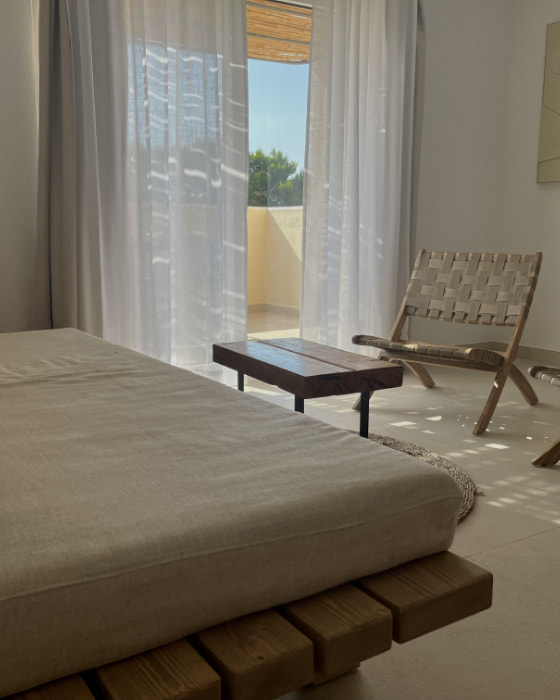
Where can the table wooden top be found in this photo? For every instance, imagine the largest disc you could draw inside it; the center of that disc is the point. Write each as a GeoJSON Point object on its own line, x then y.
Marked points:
{"type": "Point", "coordinates": [307, 369]}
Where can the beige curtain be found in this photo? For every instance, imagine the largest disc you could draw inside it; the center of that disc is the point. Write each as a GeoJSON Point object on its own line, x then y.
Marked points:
{"type": "Point", "coordinates": [78, 162]}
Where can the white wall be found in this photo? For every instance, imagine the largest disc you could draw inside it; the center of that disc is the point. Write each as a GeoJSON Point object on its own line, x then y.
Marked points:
{"type": "Point", "coordinates": [478, 191]}
{"type": "Point", "coordinates": [463, 141]}
{"type": "Point", "coordinates": [467, 48]}
{"type": "Point", "coordinates": [530, 214]}
{"type": "Point", "coordinates": [18, 164]}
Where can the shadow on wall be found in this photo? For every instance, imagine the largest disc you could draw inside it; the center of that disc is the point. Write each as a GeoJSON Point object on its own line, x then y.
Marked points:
{"type": "Point", "coordinates": [274, 258]}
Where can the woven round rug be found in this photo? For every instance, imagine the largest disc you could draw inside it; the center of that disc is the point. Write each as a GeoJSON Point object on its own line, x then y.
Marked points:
{"type": "Point", "coordinates": [464, 481]}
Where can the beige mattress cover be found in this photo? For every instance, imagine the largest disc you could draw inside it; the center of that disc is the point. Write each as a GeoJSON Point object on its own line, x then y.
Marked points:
{"type": "Point", "coordinates": [140, 503]}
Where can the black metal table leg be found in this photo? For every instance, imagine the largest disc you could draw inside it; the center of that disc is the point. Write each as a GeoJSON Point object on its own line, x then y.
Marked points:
{"type": "Point", "coordinates": [364, 414]}
{"type": "Point", "coordinates": [298, 404]}
{"type": "Point", "coordinates": [240, 381]}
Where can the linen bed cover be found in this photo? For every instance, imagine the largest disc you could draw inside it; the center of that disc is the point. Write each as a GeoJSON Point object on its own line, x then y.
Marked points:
{"type": "Point", "coordinates": [141, 503]}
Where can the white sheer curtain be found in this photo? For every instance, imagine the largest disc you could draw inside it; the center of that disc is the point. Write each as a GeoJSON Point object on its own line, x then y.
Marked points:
{"type": "Point", "coordinates": [145, 111]}
{"type": "Point", "coordinates": [358, 191]}
{"type": "Point", "coordinates": [184, 261]}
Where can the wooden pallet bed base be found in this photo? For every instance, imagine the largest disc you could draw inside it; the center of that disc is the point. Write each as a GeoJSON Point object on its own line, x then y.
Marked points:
{"type": "Point", "coordinates": [265, 655]}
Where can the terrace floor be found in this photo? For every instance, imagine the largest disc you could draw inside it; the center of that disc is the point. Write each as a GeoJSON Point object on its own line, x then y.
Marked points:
{"type": "Point", "coordinates": [272, 324]}
{"type": "Point", "coordinates": [510, 651]}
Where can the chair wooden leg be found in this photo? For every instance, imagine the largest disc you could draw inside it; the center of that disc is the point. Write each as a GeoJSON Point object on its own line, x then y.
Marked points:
{"type": "Point", "coordinates": [549, 457]}
{"type": "Point", "coordinates": [492, 401]}
{"type": "Point", "coordinates": [523, 385]}
{"type": "Point", "coordinates": [421, 373]}
{"type": "Point", "coordinates": [417, 369]}
{"type": "Point", "coordinates": [357, 405]}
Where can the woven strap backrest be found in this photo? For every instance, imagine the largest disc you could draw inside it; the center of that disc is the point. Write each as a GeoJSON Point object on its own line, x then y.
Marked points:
{"type": "Point", "coordinates": [480, 288]}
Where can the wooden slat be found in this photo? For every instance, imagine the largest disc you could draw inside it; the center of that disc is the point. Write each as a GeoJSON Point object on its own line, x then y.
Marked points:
{"type": "Point", "coordinates": [279, 51]}
{"type": "Point", "coordinates": [346, 627]}
{"type": "Point", "coordinates": [430, 593]}
{"type": "Point", "coordinates": [334, 356]}
{"type": "Point", "coordinates": [294, 373]}
{"type": "Point", "coordinates": [71, 688]}
{"type": "Point", "coordinates": [172, 672]}
{"type": "Point", "coordinates": [305, 376]}
{"type": "Point", "coordinates": [259, 657]}
{"type": "Point", "coordinates": [263, 656]}
{"type": "Point", "coordinates": [278, 31]}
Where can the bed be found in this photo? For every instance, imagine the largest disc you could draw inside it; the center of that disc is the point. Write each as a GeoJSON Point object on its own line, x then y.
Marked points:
{"type": "Point", "coordinates": [145, 508]}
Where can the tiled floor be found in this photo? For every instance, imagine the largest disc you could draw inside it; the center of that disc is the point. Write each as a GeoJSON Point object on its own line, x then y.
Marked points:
{"type": "Point", "coordinates": [264, 324]}
{"type": "Point", "coordinates": [511, 651]}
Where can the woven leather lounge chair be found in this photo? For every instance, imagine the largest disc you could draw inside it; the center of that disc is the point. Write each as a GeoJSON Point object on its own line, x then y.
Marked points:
{"type": "Point", "coordinates": [476, 288]}
{"type": "Point", "coordinates": [551, 375]}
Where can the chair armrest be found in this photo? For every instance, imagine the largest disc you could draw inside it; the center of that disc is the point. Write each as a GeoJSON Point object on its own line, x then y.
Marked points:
{"type": "Point", "coordinates": [371, 340]}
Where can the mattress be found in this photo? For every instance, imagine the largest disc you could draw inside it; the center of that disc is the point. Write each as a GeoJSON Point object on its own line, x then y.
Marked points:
{"type": "Point", "coordinates": [140, 503]}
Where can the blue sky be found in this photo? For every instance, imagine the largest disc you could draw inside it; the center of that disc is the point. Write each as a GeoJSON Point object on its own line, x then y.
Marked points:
{"type": "Point", "coordinates": [278, 108]}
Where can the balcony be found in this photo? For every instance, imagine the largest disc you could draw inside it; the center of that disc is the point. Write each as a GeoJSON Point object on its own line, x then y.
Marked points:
{"type": "Point", "coordinates": [274, 252]}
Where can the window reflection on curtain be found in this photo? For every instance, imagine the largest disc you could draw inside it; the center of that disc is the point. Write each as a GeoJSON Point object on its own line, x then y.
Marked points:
{"type": "Point", "coordinates": [143, 173]}
{"type": "Point", "coordinates": [359, 194]}
{"type": "Point", "coordinates": [186, 178]}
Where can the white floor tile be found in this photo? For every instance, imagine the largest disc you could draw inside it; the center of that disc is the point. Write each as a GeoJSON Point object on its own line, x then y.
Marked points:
{"type": "Point", "coordinates": [510, 651]}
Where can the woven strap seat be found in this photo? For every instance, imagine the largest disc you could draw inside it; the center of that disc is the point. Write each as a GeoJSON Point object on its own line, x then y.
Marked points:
{"type": "Point", "coordinates": [490, 289]}
{"type": "Point", "coordinates": [479, 288]}
{"type": "Point", "coordinates": [447, 352]}
{"type": "Point", "coordinates": [546, 374]}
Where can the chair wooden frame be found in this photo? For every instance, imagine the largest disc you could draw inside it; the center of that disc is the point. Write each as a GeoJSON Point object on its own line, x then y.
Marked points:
{"type": "Point", "coordinates": [551, 456]}
{"type": "Point", "coordinates": [475, 288]}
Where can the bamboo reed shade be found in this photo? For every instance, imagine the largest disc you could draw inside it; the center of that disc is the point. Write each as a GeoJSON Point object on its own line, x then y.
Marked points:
{"type": "Point", "coordinates": [278, 31]}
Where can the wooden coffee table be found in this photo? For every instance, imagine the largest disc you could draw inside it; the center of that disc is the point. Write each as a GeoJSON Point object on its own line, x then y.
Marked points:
{"type": "Point", "coordinates": [309, 370]}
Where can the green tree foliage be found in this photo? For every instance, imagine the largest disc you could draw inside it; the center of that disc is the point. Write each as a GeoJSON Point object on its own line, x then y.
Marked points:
{"type": "Point", "coordinates": [273, 180]}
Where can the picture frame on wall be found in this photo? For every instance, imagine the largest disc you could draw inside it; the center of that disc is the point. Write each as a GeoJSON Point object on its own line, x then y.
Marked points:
{"type": "Point", "coordinates": [548, 169]}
